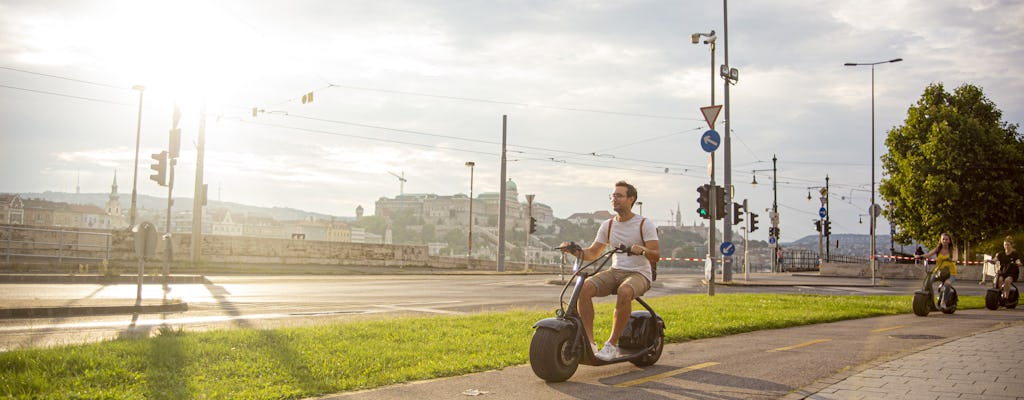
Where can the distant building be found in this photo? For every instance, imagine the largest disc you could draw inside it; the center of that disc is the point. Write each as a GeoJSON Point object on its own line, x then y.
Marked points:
{"type": "Point", "coordinates": [452, 212]}
{"type": "Point", "coordinates": [589, 218]}
{"type": "Point", "coordinates": [12, 209]}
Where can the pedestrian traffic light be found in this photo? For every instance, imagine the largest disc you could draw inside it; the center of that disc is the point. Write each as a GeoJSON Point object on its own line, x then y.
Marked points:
{"type": "Point", "coordinates": [828, 228]}
{"type": "Point", "coordinates": [737, 213]}
{"type": "Point", "coordinates": [533, 225]}
{"type": "Point", "coordinates": [753, 222]}
{"type": "Point", "coordinates": [817, 225]}
{"type": "Point", "coordinates": [160, 167]}
{"type": "Point", "coordinates": [720, 203]}
{"type": "Point", "coordinates": [703, 208]}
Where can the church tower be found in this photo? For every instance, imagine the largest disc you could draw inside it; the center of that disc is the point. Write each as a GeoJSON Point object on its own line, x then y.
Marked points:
{"type": "Point", "coordinates": [113, 200]}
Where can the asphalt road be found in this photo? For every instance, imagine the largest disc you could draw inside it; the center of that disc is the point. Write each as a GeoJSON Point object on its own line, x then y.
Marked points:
{"type": "Point", "coordinates": [227, 302]}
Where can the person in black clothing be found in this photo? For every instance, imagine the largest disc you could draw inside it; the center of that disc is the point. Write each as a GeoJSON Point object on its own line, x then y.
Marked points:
{"type": "Point", "coordinates": [1009, 266]}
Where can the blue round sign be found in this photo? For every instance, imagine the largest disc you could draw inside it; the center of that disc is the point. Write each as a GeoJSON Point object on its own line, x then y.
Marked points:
{"type": "Point", "coordinates": [821, 212]}
{"type": "Point", "coordinates": [727, 248]}
{"type": "Point", "coordinates": [710, 141]}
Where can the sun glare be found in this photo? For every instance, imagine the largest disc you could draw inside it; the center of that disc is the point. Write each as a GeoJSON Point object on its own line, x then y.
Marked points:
{"type": "Point", "coordinates": [182, 51]}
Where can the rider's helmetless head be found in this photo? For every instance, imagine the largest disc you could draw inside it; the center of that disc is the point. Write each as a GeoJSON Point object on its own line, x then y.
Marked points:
{"type": "Point", "coordinates": [623, 197]}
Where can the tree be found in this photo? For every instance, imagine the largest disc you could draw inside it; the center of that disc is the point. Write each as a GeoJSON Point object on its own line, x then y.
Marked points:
{"type": "Point", "coordinates": [954, 166]}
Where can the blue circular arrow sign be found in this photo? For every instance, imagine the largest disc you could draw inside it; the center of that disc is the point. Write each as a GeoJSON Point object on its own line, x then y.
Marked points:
{"type": "Point", "coordinates": [710, 140]}
{"type": "Point", "coordinates": [821, 212]}
{"type": "Point", "coordinates": [727, 248]}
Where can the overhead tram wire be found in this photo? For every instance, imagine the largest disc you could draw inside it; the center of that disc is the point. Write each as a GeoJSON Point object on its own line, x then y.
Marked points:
{"type": "Point", "coordinates": [67, 95]}
{"type": "Point", "coordinates": [518, 104]}
{"type": "Point", "coordinates": [552, 152]}
{"type": "Point", "coordinates": [526, 156]}
{"type": "Point", "coordinates": [107, 85]}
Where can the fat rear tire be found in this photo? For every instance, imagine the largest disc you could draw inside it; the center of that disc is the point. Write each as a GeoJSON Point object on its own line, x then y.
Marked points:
{"type": "Point", "coordinates": [992, 299]}
{"type": "Point", "coordinates": [552, 355]}
{"type": "Point", "coordinates": [652, 356]}
{"type": "Point", "coordinates": [1014, 298]}
{"type": "Point", "coordinates": [921, 300]}
{"type": "Point", "coordinates": [951, 300]}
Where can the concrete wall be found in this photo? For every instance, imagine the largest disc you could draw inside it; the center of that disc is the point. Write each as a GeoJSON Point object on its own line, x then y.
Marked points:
{"type": "Point", "coordinates": [238, 250]}
{"type": "Point", "coordinates": [894, 271]}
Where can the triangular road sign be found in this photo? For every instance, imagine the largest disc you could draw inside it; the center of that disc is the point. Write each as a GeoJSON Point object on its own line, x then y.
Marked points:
{"type": "Point", "coordinates": [711, 114]}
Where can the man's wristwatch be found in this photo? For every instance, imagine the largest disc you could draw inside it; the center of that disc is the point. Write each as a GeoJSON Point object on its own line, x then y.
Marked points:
{"type": "Point", "coordinates": [643, 252]}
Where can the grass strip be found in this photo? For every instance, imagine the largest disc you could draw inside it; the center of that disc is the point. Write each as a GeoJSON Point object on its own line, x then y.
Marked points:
{"type": "Point", "coordinates": [290, 363]}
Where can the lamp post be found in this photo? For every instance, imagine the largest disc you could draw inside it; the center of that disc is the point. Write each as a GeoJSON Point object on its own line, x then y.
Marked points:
{"type": "Point", "coordinates": [773, 215]}
{"type": "Point", "coordinates": [469, 252]}
{"type": "Point", "coordinates": [709, 264]}
{"type": "Point", "coordinates": [135, 172]}
{"type": "Point", "coordinates": [872, 210]}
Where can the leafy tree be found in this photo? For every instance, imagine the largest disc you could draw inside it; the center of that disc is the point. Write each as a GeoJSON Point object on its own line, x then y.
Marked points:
{"type": "Point", "coordinates": [954, 166]}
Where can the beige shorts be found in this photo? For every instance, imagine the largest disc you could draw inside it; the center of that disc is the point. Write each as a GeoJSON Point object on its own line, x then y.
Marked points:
{"type": "Point", "coordinates": [611, 279]}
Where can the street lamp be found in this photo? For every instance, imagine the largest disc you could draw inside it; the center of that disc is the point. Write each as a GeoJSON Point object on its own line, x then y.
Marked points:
{"type": "Point", "coordinates": [135, 172]}
{"type": "Point", "coordinates": [872, 209]}
{"type": "Point", "coordinates": [469, 252]}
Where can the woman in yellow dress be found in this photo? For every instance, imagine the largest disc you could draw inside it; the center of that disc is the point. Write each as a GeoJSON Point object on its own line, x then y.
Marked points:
{"type": "Point", "coordinates": [945, 260]}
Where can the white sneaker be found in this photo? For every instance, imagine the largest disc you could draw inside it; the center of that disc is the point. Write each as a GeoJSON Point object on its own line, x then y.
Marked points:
{"type": "Point", "coordinates": [608, 352]}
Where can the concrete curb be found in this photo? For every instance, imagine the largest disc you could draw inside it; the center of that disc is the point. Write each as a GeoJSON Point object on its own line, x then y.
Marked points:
{"type": "Point", "coordinates": [80, 311]}
{"type": "Point", "coordinates": [101, 279]}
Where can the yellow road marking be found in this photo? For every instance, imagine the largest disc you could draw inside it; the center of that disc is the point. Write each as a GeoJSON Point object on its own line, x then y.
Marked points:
{"type": "Point", "coordinates": [666, 374]}
{"type": "Point", "coordinates": [888, 329]}
{"type": "Point", "coordinates": [797, 346]}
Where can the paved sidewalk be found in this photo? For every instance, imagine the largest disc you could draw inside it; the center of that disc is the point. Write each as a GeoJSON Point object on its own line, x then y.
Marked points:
{"type": "Point", "coordinates": [965, 368]}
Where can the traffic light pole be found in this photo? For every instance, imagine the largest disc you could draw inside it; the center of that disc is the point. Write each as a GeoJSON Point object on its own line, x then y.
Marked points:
{"type": "Point", "coordinates": [713, 213]}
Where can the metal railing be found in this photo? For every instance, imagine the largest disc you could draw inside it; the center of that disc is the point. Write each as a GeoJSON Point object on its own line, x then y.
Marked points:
{"type": "Point", "coordinates": [60, 244]}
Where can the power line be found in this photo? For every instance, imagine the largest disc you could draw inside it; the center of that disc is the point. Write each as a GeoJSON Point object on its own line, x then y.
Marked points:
{"type": "Point", "coordinates": [66, 95]}
{"type": "Point", "coordinates": [67, 79]}
{"type": "Point", "coordinates": [513, 103]}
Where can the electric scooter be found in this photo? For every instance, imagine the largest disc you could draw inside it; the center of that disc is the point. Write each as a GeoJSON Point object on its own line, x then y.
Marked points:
{"type": "Point", "coordinates": [944, 299]}
{"type": "Point", "coordinates": [994, 296]}
{"type": "Point", "coordinates": [560, 344]}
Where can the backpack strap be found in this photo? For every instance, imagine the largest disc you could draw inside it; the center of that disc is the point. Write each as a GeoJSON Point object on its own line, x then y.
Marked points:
{"type": "Point", "coordinates": [608, 239]}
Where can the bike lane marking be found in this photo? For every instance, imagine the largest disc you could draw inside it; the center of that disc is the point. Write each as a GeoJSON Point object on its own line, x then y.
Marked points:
{"type": "Point", "coordinates": [666, 374]}
{"type": "Point", "coordinates": [879, 330]}
{"type": "Point", "coordinates": [797, 346]}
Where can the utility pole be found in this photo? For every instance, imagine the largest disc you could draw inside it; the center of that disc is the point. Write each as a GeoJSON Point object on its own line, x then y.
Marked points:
{"type": "Point", "coordinates": [502, 201]}
{"type": "Point", "coordinates": [529, 225]}
{"type": "Point", "coordinates": [200, 196]}
{"type": "Point", "coordinates": [135, 172]}
{"type": "Point", "coordinates": [727, 143]}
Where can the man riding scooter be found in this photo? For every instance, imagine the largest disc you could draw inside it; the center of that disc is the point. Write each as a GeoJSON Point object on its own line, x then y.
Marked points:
{"type": "Point", "coordinates": [631, 274]}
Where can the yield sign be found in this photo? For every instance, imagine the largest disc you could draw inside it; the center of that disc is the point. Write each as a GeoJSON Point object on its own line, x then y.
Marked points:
{"type": "Point", "coordinates": [711, 114]}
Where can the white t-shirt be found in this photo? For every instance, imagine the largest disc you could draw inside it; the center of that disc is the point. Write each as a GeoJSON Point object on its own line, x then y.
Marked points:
{"type": "Point", "coordinates": [628, 233]}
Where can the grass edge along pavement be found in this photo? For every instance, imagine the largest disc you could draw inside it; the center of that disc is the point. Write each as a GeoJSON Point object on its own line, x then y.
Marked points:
{"type": "Point", "coordinates": [288, 363]}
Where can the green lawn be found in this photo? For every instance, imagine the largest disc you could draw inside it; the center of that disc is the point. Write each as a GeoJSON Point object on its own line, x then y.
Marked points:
{"type": "Point", "coordinates": [308, 361]}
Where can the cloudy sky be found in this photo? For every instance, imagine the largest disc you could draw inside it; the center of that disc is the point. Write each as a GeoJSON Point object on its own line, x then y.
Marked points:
{"type": "Point", "coordinates": [594, 91]}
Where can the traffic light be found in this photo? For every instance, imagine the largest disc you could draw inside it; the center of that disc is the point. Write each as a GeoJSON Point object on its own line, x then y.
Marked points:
{"type": "Point", "coordinates": [753, 222]}
{"type": "Point", "coordinates": [828, 228]}
{"type": "Point", "coordinates": [737, 213]}
{"type": "Point", "coordinates": [720, 203]}
{"type": "Point", "coordinates": [160, 167]}
{"type": "Point", "coordinates": [817, 225]}
{"type": "Point", "coordinates": [533, 225]}
{"type": "Point", "coordinates": [703, 208]}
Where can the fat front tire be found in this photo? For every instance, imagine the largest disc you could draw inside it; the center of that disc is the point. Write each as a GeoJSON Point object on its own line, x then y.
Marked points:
{"type": "Point", "coordinates": [552, 355]}
{"type": "Point", "coordinates": [992, 299]}
{"type": "Point", "coordinates": [652, 356]}
{"type": "Point", "coordinates": [921, 301]}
